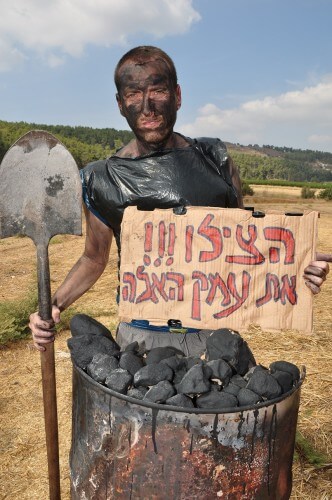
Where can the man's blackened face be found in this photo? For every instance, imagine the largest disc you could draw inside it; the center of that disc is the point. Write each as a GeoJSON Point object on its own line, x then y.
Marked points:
{"type": "Point", "coordinates": [148, 101]}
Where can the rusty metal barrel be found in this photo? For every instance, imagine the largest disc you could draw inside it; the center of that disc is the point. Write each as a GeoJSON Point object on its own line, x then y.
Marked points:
{"type": "Point", "coordinates": [123, 448]}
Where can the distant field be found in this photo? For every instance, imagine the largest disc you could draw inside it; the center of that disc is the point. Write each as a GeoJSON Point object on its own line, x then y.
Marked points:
{"type": "Point", "coordinates": [283, 183]}
{"type": "Point", "coordinates": [277, 191]}
{"type": "Point", "coordinates": [270, 191]}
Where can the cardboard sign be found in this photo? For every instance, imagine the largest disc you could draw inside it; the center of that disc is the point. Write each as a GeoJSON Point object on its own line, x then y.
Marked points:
{"type": "Point", "coordinates": [217, 268]}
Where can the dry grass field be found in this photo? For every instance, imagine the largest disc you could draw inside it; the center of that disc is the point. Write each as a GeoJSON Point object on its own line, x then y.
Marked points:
{"type": "Point", "coordinates": [23, 466]}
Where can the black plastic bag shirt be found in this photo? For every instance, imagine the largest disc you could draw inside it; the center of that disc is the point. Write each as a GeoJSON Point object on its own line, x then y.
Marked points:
{"type": "Point", "coordinates": [197, 175]}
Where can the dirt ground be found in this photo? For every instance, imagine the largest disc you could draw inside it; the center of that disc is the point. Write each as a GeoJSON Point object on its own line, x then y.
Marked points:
{"type": "Point", "coordinates": [23, 465]}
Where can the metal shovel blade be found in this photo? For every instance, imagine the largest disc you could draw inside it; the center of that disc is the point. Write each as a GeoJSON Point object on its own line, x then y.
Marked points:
{"type": "Point", "coordinates": [40, 189]}
{"type": "Point", "coordinates": [40, 196]}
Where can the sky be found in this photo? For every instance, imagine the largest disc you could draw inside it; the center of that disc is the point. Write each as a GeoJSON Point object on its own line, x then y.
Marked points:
{"type": "Point", "coordinates": [251, 71]}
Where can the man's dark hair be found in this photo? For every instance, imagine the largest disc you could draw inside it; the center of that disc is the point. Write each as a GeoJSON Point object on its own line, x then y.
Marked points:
{"type": "Point", "coordinates": [142, 54]}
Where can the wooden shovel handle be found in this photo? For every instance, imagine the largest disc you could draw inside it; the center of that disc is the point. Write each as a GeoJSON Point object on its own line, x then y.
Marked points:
{"type": "Point", "coordinates": [48, 376]}
{"type": "Point", "coordinates": [51, 420]}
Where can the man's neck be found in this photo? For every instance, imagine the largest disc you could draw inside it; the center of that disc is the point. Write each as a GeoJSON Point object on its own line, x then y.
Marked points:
{"type": "Point", "coordinates": [137, 148]}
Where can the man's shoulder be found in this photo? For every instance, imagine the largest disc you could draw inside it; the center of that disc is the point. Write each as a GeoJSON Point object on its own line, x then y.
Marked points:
{"type": "Point", "coordinates": [213, 147]}
{"type": "Point", "coordinates": [128, 151]}
{"type": "Point", "coordinates": [94, 166]}
{"type": "Point", "coordinates": [213, 142]}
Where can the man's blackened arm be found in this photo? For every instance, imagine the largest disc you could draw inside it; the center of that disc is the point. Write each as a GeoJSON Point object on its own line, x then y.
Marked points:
{"type": "Point", "coordinates": [234, 173]}
{"type": "Point", "coordinates": [90, 265]}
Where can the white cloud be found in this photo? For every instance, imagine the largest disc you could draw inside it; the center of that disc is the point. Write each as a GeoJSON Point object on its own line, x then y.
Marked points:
{"type": "Point", "coordinates": [9, 55]}
{"type": "Point", "coordinates": [54, 61]}
{"type": "Point", "coordinates": [63, 27]}
{"type": "Point", "coordinates": [299, 118]}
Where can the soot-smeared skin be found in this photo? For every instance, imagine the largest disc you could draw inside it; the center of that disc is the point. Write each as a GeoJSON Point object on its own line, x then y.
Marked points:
{"type": "Point", "coordinates": [145, 92]}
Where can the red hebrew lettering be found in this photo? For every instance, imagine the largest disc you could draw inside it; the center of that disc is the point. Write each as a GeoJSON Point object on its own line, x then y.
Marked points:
{"type": "Point", "coordinates": [179, 280]}
{"type": "Point", "coordinates": [161, 243]}
{"type": "Point", "coordinates": [162, 233]}
{"type": "Point", "coordinates": [271, 281]}
{"type": "Point", "coordinates": [171, 243]}
{"type": "Point", "coordinates": [288, 290]}
{"type": "Point", "coordinates": [240, 299]}
{"type": "Point", "coordinates": [274, 255]}
{"type": "Point", "coordinates": [131, 280]}
{"type": "Point", "coordinates": [218, 283]}
{"type": "Point", "coordinates": [159, 285]}
{"type": "Point", "coordinates": [286, 237]}
{"type": "Point", "coordinates": [226, 231]}
{"type": "Point", "coordinates": [148, 226]}
{"type": "Point", "coordinates": [213, 234]}
{"type": "Point", "coordinates": [148, 293]}
{"type": "Point", "coordinates": [146, 260]}
{"type": "Point", "coordinates": [248, 246]}
{"type": "Point", "coordinates": [189, 243]}
{"type": "Point", "coordinates": [201, 284]}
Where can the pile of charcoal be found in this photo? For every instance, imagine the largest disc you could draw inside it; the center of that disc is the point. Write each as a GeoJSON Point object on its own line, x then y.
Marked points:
{"type": "Point", "coordinates": [226, 377]}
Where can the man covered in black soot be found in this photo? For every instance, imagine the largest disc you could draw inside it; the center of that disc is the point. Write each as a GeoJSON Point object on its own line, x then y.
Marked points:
{"type": "Point", "coordinates": [159, 168]}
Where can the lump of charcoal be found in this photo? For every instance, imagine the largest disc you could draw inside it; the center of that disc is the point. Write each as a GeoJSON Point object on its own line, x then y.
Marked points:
{"type": "Point", "coordinates": [158, 353]}
{"type": "Point", "coordinates": [133, 347]}
{"type": "Point", "coordinates": [178, 365]}
{"type": "Point", "coordinates": [192, 361]}
{"type": "Point", "coordinates": [262, 382]}
{"type": "Point", "coordinates": [180, 400]}
{"type": "Point", "coordinates": [195, 381]}
{"type": "Point", "coordinates": [249, 373]}
{"type": "Point", "coordinates": [119, 380]}
{"type": "Point", "coordinates": [137, 392]}
{"type": "Point", "coordinates": [221, 370]}
{"type": "Point", "coordinates": [160, 392]}
{"type": "Point", "coordinates": [232, 389]}
{"type": "Point", "coordinates": [82, 350]}
{"type": "Point", "coordinates": [284, 379]}
{"type": "Point", "coordinates": [246, 397]}
{"type": "Point", "coordinates": [136, 347]}
{"type": "Point", "coordinates": [216, 400]}
{"type": "Point", "coordinates": [285, 366]}
{"type": "Point", "coordinates": [130, 362]}
{"type": "Point", "coordinates": [178, 376]}
{"type": "Point", "coordinates": [82, 324]}
{"type": "Point", "coordinates": [230, 346]}
{"type": "Point", "coordinates": [84, 347]}
{"type": "Point", "coordinates": [175, 362]}
{"type": "Point", "coordinates": [152, 374]}
{"type": "Point", "coordinates": [238, 380]}
{"type": "Point", "coordinates": [101, 366]}
{"type": "Point", "coordinates": [105, 345]}
{"type": "Point", "coordinates": [215, 386]}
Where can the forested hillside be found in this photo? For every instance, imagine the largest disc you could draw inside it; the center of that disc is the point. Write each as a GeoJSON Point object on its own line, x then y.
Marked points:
{"type": "Point", "coordinates": [85, 143]}
{"type": "Point", "coordinates": [255, 163]}
{"type": "Point", "coordinates": [273, 163]}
